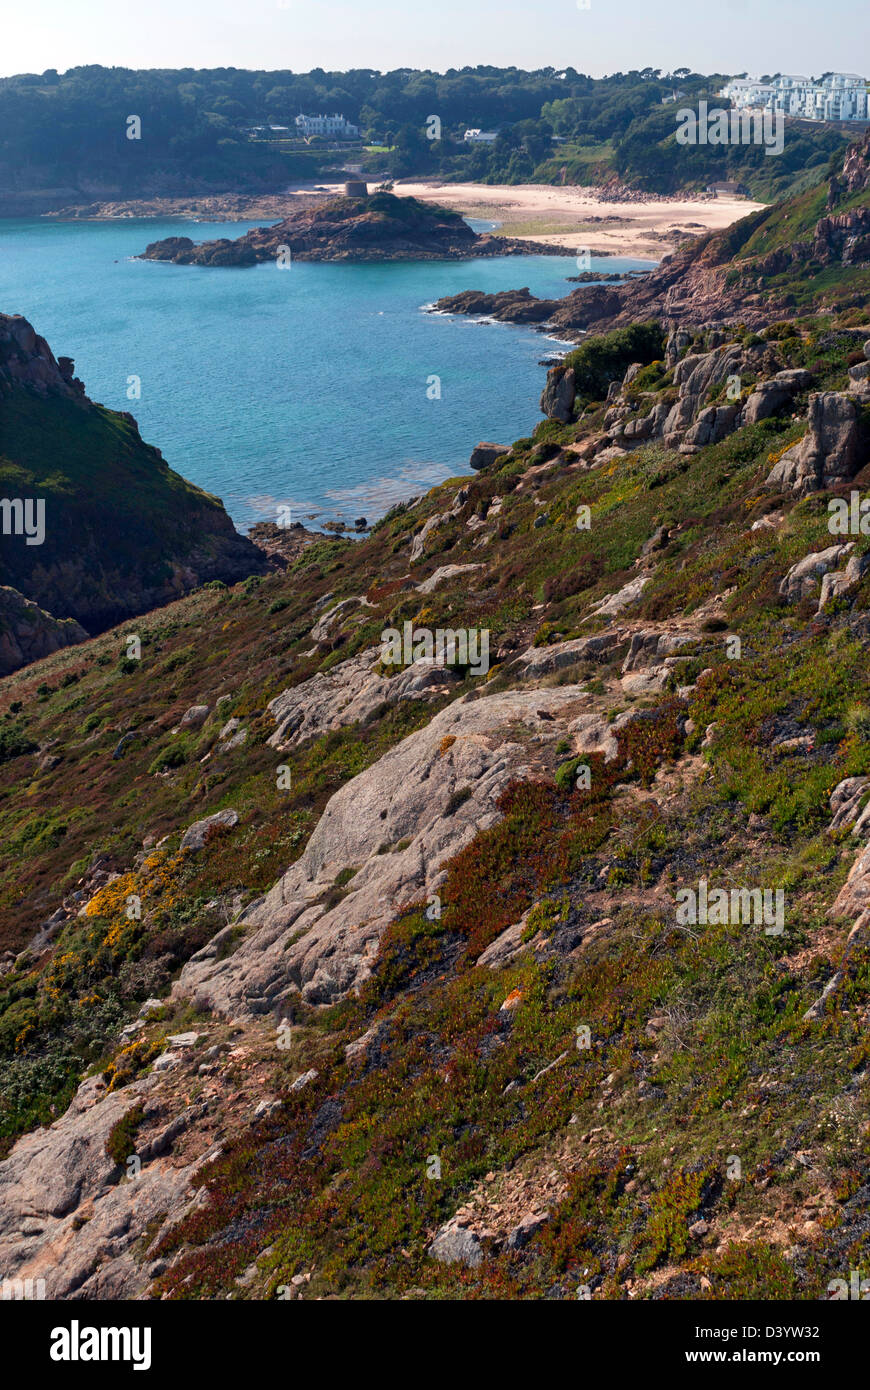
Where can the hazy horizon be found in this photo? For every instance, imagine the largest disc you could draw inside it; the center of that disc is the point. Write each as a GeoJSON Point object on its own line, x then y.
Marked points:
{"type": "Point", "coordinates": [340, 34]}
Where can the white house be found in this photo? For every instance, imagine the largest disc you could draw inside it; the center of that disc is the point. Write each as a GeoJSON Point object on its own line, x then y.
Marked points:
{"type": "Point", "coordinates": [333, 127]}
{"type": "Point", "coordinates": [480, 137]}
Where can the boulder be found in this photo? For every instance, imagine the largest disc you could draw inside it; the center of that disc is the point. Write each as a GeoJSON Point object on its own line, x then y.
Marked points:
{"type": "Point", "coordinates": [484, 455]}
{"type": "Point", "coordinates": [523, 1232]}
{"type": "Point", "coordinates": [828, 454]}
{"type": "Point", "coordinates": [455, 1244]}
{"type": "Point", "coordinates": [804, 578]}
{"type": "Point", "coordinates": [194, 837]}
{"type": "Point", "coordinates": [614, 603]}
{"type": "Point", "coordinates": [836, 583]}
{"type": "Point", "coordinates": [557, 399]}
{"type": "Point", "coordinates": [713, 424]}
{"type": "Point", "coordinates": [770, 396]}
{"type": "Point", "coordinates": [194, 717]}
{"type": "Point", "coordinates": [232, 735]}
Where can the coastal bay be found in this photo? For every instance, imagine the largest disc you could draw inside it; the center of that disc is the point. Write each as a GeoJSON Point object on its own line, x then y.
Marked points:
{"type": "Point", "coordinates": [306, 387]}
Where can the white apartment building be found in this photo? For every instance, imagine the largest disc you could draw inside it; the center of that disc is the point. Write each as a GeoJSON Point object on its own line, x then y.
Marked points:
{"type": "Point", "coordinates": [333, 127]}
{"type": "Point", "coordinates": [838, 96]}
{"type": "Point", "coordinates": [480, 137]}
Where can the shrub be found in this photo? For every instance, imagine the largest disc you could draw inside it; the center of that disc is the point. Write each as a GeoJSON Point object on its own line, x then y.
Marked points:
{"type": "Point", "coordinates": [122, 1136]}
{"type": "Point", "coordinates": [13, 742]}
{"type": "Point", "coordinates": [606, 357]}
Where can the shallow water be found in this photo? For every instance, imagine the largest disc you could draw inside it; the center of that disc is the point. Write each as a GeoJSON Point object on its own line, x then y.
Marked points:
{"type": "Point", "coordinates": [312, 387]}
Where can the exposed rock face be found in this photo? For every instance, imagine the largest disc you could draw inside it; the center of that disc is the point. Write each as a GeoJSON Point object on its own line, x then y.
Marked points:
{"type": "Point", "coordinates": [28, 633]}
{"type": "Point", "coordinates": [694, 285]}
{"type": "Point", "coordinates": [378, 228]}
{"type": "Point", "coordinates": [54, 1174]}
{"type": "Point", "coordinates": [804, 578]}
{"type": "Point", "coordinates": [688, 424]}
{"type": "Point", "coordinates": [855, 176]}
{"type": "Point", "coordinates": [770, 396]}
{"type": "Point", "coordinates": [844, 239]}
{"type": "Point", "coordinates": [846, 799]}
{"type": "Point", "coordinates": [27, 360]}
{"type": "Point", "coordinates": [833, 585]}
{"type": "Point", "coordinates": [854, 896]}
{"type": "Point", "coordinates": [828, 454]}
{"type": "Point", "coordinates": [393, 823]}
{"type": "Point", "coordinates": [543, 661]}
{"type": "Point", "coordinates": [623, 598]}
{"type": "Point", "coordinates": [443, 574]}
{"type": "Point", "coordinates": [348, 694]}
{"type": "Point", "coordinates": [103, 550]}
{"type": "Point", "coordinates": [557, 400]}
{"type": "Point", "coordinates": [195, 836]}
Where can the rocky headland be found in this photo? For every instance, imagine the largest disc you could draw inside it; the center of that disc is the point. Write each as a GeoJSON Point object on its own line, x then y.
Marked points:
{"type": "Point", "coordinates": [378, 227]}
{"type": "Point", "coordinates": [120, 532]}
{"type": "Point", "coordinates": [764, 265]}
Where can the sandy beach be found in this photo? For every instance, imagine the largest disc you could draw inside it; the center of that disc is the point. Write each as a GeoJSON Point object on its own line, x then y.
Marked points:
{"type": "Point", "coordinates": [576, 217]}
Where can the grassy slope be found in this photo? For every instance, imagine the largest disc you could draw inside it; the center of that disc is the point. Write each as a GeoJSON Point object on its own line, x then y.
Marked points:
{"type": "Point", "coordinates": [729, 1069]}
{"type": "Point", "coordinates": [780, 227]}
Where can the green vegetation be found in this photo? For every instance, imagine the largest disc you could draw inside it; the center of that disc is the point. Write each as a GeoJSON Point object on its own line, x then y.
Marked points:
{"type": "Point", "coordinates": [200, 130]}
{"type": "Point", "coordinates": [708, 1140]}
{"type": "Point", "coordinates": [604, 358]}
{"type": "Point", "coordinates": [73, 454]}
{"type": "Point", "coordinates": [121, 1143]}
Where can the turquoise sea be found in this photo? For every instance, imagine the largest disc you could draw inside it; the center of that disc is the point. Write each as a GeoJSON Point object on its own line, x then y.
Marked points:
{"type": "Point", "coordinates": [310, 387]}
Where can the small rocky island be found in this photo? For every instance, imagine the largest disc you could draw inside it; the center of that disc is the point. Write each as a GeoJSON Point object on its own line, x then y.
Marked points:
{"type": "Point", "coordinates": [366, 227]}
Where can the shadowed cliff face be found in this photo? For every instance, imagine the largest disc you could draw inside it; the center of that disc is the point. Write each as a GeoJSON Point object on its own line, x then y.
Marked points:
{"type": "Point", "coordinates": [95, 526]}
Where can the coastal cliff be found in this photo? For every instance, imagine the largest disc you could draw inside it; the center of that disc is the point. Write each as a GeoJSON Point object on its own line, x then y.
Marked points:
{"type": "Point", "coordinates": [775, 262]}
{"type": "Point", "coordinates": [96, 526]}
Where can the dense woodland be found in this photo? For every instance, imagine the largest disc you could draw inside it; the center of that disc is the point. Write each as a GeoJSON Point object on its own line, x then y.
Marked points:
{"type": "Point", "coordinates": [70, 130]}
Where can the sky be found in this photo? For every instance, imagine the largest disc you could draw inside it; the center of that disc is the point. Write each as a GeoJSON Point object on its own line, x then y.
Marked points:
{"type": "Point", "coordinates": [604, 36]}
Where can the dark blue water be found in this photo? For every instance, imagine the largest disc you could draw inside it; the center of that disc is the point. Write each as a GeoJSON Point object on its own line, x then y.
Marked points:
{"type": "Point", "coordinates": [309, 387]}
